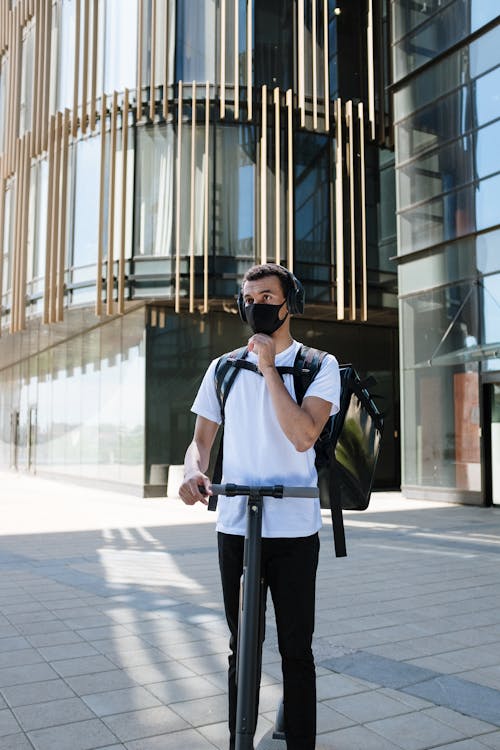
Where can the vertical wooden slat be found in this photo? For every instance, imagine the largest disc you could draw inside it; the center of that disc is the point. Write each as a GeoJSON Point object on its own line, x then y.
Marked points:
{"type": "Point", "coordinates": [152, 98]}
{"type": "Point", "coordinates": [192, 199]}
{"type": "Point", "coordinates": [236, 61]}
{"type": "Point", "coordinates": [326, 61]}
{"type": "Point", "coordinates": [56, 230]}
{"type": "Point", "coordinates": [263, 178]}
{"type": "Point", "coordinates": [85, 64]}
{"type": "Point", "coordinates": [249, 61]}
{"type": "Point", "coordinates": [102, 198]}
{"type": "Point", "coordinates": [121, 263]}
{"type": "Point", "coordinates": [76, 78]}
{"type": "Point", "coordinates": [36, 76]}
{"type": "Point", "coordinates": [93, 82]}
{"type": "Point", "coordinates": [165, 61]}
{"type": "Point", "coordinates": [111, 209]}
{"type": "Point", "coordinates": [339, 210]}
{"type": "Point", "coordinates": [140, 34]}
{"type": "Point", "coordinates": [61, 259]}
{"type": "Point", "coordinates": [40, 62]}
{"type": "Point", "coordinates": [15, 245]}
{"type": "Point", "coordinates": [277, 175]}
{"type": "Point", "coordinates": [222, 59]}
{"type": "Point", "coordinates": [45, 93]}
{"type": "Point", "coordinates": [26, 160]}
{"type": "Point", "coordinates": [314, 64]}
{"type": "Point", "coordinates": [301, 62]}
{"type": "Point", "coordinates": [2, 232]}
{"type": "Point", "coordinates": [178, 202]}
{"type": "Point", "coordinates": [205, 197]}
{"type": "Point", "coordinates": [370, 70]}
{"type": "Point", "coordinates": [290, 169]}
{"type": "Point", "coordinates": [352, 225]}
{"type": "Point", "coordinates": [364, 273]}
{"type": "Point", "coordinates": [50, 219]}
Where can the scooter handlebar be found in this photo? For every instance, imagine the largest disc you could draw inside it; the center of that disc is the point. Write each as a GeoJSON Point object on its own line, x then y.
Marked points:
{"type": "Point", "coordinates": [278, 490]}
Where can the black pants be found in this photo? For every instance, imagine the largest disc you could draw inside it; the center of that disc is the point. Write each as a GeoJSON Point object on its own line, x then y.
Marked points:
{"type": "Point", "coordinates": [289, 571]}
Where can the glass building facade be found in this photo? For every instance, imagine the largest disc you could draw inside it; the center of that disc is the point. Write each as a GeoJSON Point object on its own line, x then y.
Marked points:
{"type": "Point", "coordinates": [152, 150]}
{"type": "Point", "coordinates": [446, 58]}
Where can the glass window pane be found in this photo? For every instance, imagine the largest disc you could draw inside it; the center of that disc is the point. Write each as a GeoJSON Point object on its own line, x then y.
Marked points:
{"type": "Point", "coordinates": [196, 47]}
{"type": "Point", "coordinates": [86, 212]}
{"type": "Point", "coordinates": [120, 45]}
{"type": "Point", "coordinates": [273, 57]}
{"type": "Point", "coordinates": [154, 186]}
{"type": "Point", "coordinates": [490, 304]}
{"type": "Point", "coordinates": [487, 97]}
{"type": "Point", "coordinates": [66, 53]}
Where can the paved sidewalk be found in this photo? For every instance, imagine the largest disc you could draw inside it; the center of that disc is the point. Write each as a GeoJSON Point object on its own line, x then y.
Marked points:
{"type": "Point", "coordinates": [112, 632]}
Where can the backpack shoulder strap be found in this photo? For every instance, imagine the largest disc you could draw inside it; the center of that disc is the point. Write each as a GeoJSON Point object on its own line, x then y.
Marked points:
{"type": "Point", "coordinates": [226, 372]}
{"type": "Point", "coordinates": [305, 368]}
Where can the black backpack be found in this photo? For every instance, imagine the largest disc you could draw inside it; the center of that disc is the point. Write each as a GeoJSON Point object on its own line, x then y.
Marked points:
{"type": "Point", "coordinates": [348, 447]}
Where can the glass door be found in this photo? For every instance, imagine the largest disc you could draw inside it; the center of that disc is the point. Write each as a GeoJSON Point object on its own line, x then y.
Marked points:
{"type": "Point", "coordinates": [494, 416]}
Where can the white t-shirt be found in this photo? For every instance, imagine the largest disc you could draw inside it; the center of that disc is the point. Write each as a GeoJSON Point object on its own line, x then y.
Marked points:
{"type": "Point", "coordinates": [256, 450]}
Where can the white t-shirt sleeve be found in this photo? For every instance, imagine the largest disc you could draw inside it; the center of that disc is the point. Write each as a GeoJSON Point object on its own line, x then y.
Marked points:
{"type": "Point", "coordinates": [326, 384]}
{"type": "Point", "coordinates": [206, 403]}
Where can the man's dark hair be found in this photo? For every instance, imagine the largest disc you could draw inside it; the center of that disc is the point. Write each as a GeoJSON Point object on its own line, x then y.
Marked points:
{"type": "Point", "coordinates": [270, 269]}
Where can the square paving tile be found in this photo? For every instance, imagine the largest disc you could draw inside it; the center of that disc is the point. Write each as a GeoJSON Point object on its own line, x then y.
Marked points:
{"type": "Point", "coordinates": [203, 711]}
{"type": "Point", "coordinates": [37, 692]}
{"type": "Point", "coordinates": [185, 689]}
{"type": "Point", "coordinates": [189, 739]}
{"type": "Point", "coordinates": [52, 713]}
{"type": "Point", "coordinates": [149, 722]}
{"type": "Point", "coordinates": [8, 723]}
{"type": "Point", "coordinates": [119, 701]}
{"type": "Point", "coordinates": [82, 735]}
{"type": "Point", "coordinates": [415, 731]}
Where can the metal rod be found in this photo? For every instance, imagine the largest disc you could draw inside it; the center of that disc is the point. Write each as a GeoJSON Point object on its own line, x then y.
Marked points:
{"type": "Point", "coordinates": [277, 175]}
{"type": "Point", "coordinates": [263, 178]}
{"type": "Point", "coordinates": [249, 61]}
{"type": "Point", "coordinates": [62, 226]}
{"type": "Point", "coordinates": [152, 102]}
{"type": "Point", "coordinates": [178, 203]}
{"type": "Point", "coordinates": [290, 190]}
{"type": "Point", "coordinates": [222, 59]}
{"type": "Point", "coordinates": [352, 224]}
{"type": "Point", "coordinates": [102, 197]}
{"type": "Point", "coordinates": [314, 64]}
{"type": "Point", "coordinates": [301, 62]}
{"type": "Point", "coordinates": [362, 182]}
{"type": "Point", "coordinates": [205, 195]}
{"type": "Point", "coordinates": [339, 210]}
{"type": "Point", "coordinates": [236, 61]}
{"type": "Point", "coordinates": [76, 77]}
{"type": "Point", "coordinates": [110, 286]}
{"type": "Point", "coordinates": [121, 262]}
{"type": "Point", "coordinates": [192, 199]}
{"type": "Point", "coordinates": [326, 63]}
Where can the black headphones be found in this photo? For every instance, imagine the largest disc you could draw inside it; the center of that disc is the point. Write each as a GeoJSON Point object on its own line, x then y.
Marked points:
{"type": "Point", "coordinates": [295, 297]}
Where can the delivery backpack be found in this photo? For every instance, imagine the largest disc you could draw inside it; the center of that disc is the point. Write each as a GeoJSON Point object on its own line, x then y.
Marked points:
{"type": "Point", "coordinates": [348, 447]}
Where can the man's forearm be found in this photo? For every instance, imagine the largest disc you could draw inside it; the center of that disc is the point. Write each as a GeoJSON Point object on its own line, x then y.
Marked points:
{"type": "Point", "coordinates": [196, 459]}
{"type": "Point", "coordinates": [297, 424]}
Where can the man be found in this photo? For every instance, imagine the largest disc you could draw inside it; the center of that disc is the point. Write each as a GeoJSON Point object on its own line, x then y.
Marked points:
{"type": "Point", "coordinates": [269, 439]}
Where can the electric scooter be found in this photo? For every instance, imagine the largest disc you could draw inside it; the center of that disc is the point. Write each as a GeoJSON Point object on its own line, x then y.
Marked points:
{"type": "Point", "coordinates": [248, 655]}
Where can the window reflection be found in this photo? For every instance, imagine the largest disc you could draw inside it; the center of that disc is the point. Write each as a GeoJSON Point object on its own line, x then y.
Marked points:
{"type": "Point", "coordinates": [66, 24]}
{"type": "Point", "coordinates": [27, 75]}
{"type": "Point", "coordinates": [235, 188]}
{"type": "Point", "coordinates": [313, 170]}
{"type": "Point", "coordinates": [196, 47]}
{"type": "Point", "coordinates": [154, 191]}
{"type": "Point", "coordinates": [273, 57]}
{"type": "Point", "coordinates": [120, 45]}
{"type": "Point", "coordinates": [86, 206]}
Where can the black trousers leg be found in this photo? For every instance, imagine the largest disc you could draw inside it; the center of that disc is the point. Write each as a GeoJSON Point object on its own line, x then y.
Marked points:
{"type": "Point", "coordinates": [290, 566]}
{"type": "Point", "coordinates": [231, 567]}
{"type": "Point", "coordinates": [289, 569]}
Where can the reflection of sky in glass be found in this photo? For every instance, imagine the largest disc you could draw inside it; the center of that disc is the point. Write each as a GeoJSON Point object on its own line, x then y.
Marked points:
{"type": "Point", "coordinates": [491, 309]}
{"type": "Point", "coordinates": [487, 151]}
{"type": "Point", "coordinates": [246, 202]}
{"type": "Point", "coordinates": [487, 99]}
{"type": "Point", "coordinates": [487, 203]}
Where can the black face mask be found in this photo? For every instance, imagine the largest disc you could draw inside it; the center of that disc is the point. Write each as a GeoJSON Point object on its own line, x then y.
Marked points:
{"type": "Point", "coordinates": [264, 318]}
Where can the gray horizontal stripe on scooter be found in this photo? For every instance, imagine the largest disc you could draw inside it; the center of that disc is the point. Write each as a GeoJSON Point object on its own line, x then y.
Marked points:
{"type": "Point", "coordinates": [460, 695]}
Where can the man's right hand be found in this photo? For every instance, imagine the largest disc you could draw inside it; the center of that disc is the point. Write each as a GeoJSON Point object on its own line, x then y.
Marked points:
{"type": "Point", "coordinates": [195, 489]}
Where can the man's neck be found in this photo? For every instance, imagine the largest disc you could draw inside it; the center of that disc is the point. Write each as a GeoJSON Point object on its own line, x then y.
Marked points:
{"type": "Point", "coordinates": [282, 339]}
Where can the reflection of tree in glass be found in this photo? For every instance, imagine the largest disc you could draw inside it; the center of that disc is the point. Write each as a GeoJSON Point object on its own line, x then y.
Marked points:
{"type": "Point", "coordinates": [354, 450]}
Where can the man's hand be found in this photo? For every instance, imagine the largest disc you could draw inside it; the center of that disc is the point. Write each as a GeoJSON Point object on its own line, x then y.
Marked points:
{"type": "Point", "coordinates": [195, 489]}
{"type": "Point", "coordinates": [265, 348]}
